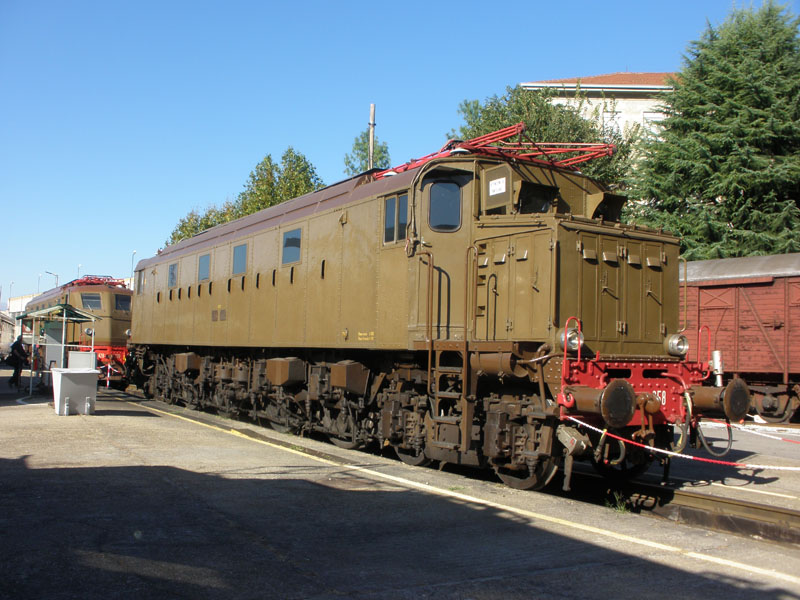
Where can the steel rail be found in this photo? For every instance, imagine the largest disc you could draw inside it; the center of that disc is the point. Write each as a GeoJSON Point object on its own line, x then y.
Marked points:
{"type": "Point", "coordinates": [714, 512]}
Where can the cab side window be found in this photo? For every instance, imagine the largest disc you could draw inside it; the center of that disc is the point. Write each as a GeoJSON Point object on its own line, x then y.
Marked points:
{"type": "Point", "coordinates": [444, 210]}
{"type": "Point", "coordinates": [91, 301]}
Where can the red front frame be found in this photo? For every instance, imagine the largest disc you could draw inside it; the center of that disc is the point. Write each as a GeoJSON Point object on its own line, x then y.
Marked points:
{"type": "Point", "coordinates": [667, 381]}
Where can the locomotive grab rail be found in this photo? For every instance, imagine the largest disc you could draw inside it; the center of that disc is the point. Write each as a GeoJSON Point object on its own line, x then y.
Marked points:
{"type": "Point", "coordinates": [562, 396]}
{"type": "Point", "coordinates": [429, 315]}
{"type": "Point", "coordinates": [685, 295]}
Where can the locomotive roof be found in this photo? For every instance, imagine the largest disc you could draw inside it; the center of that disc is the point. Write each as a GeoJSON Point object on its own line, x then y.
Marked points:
{"type": "Point", "coordinates": [778, 265]}
{"type": "Point", "coordinates": [338, 194]}
{"type": "Point", "coordinates": [86, 283]}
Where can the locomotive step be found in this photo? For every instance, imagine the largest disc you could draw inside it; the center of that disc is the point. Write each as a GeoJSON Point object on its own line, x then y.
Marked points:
{"type": "Point", "coordinates": [446, 420]}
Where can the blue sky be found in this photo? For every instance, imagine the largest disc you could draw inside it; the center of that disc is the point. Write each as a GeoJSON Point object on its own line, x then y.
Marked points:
{"type": "Point", "coordinates": [117, 118]}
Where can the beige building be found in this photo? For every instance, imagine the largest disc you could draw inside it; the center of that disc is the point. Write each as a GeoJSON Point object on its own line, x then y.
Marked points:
{"type": "Point", "coordinates": [620, 99]}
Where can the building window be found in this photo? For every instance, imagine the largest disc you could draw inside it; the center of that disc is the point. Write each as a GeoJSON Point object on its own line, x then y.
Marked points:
{"type": "Point", "coordinates": [395, 218]}
{"type": "Point", "coordinates": [172, 277]}
{"type": "Point", "coordinates": [291, 247]}
{"type": "Point", "coordinates": [204, 267]}
{"type": "Point", "coordinates": [444, 211]}
{"type": "Point", "coordinates": [122, 302]}
{"type": "Point", "coordinates": [91, 301]}
{"type": "Point", "coordinates": [239, 259]}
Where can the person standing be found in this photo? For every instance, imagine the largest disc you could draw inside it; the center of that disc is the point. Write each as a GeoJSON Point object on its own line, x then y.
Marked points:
{"type": "Point", "coordinates": [19, 355]}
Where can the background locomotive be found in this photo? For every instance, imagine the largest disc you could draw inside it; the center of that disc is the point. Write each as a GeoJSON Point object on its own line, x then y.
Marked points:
{"type": "Point", "coordinates": [458, 308]}
{"type": "Point", "coordinates": [107, 299]}
{"type": "Point", "coordinates": [751, 306]}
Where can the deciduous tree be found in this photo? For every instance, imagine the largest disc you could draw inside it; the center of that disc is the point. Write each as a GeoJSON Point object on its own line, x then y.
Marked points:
{"type": "Point", "coordinates": [357, 161]}
{"type": "Point", "coordinates": [268, 184]}
{"type": "Point", "coordinates": [547, 121]}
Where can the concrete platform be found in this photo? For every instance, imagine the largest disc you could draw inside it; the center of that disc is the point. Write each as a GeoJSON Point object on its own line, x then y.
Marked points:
{"type": "Point", "coordinates": [134, 502]}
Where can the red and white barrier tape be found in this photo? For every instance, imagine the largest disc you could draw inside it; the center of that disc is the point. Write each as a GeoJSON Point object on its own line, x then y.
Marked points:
{"type": "Point", "coordinates": [749, 430]}
{"type": "Point", "coordinates": [687, 456]}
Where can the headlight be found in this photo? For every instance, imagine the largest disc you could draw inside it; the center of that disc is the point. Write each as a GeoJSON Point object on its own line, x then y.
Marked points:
{"type": "Point", "coordinates": [128, 332]}
{"type": "Point", "coordinates": [571, 340]}
{"type": "Point", "coordinates": [677, 344]}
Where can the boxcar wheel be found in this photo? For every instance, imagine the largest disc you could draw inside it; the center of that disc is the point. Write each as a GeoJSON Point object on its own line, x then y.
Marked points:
{"type": "Point", "coordinates": [776, 414]}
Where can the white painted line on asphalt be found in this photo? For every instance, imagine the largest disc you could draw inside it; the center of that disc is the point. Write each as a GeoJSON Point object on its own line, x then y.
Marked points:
{"type": "Point", "coordinates": [509, 509]}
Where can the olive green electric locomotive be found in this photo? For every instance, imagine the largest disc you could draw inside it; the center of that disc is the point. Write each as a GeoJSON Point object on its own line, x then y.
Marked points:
{"type": "Point", "coordinates": [483, 305]}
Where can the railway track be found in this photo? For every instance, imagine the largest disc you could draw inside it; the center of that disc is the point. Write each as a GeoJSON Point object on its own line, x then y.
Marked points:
{"type": "Point", "coordinates": [714, 512]}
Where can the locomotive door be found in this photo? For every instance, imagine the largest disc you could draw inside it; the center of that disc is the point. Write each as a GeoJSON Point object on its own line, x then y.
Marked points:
{"type": "Point", "coordinates": [444, 218]}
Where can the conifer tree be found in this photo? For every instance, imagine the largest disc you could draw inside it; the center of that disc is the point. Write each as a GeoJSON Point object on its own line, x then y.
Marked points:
{"type": "Point", "coordinates": [724, 173]}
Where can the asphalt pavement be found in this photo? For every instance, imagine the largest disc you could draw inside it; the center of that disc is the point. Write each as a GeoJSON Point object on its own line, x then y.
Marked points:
{"type": "Point", "coordinates": [137, 502]}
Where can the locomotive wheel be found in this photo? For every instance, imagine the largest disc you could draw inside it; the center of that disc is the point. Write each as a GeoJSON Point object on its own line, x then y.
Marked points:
{"type": "Point", "coordinates": [344, 438]}
{"type": "Point", "coordinates": [523, 479]}
{"type": "Point", "coordinates": [281, 427]}
{"type": "Point", "coordinates": [412, 457]}
{"type": "Point", "coordinates": [343, 443]}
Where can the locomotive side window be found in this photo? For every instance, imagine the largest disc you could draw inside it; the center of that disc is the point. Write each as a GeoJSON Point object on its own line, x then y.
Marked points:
{"type": "Point", "coordinates": [535, 198]}
{"type": "Point", "coordinates": [239, 259]}
{"type": "Point", "coordinates": [139, 282]}
{"type": "Point", "coordinates": [204, 267]}
{"type": "Point", "coordinates": [395, 218]}
{"type": "Point", "coordinates": [444, 211]}
{"type": "Point", "coordinates": [389, 219]}
{"type": "Point", "coordinates": [122, 302]}
{"type": "Point", "coordinates": [172, 277]}
{"type": "Point", "coordinates": [91, 301]}
{"type": "Point", "coordinates": [291, 247]}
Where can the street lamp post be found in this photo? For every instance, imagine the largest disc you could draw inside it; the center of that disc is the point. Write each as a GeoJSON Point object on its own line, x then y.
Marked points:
{"type": "Point", "coordinates": [132, 255]}
{"type": "Point", "coordinates": [39, 283]}
{"type": "Point", "coordinates": [54, 275]}
{"type": "Point", "coordinates": [79, 270]}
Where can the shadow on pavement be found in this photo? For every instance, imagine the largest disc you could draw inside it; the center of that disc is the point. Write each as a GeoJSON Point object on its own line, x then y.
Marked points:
{"type": "Point", "coordinates": [152, 532]}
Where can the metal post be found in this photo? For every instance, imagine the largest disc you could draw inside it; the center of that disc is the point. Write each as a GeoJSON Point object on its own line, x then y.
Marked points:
{"type": "Point", "coordinates": [33, 338]}
{"type": "Point", "coordinates": [63, 335]}
{"type": "Point", "coordinates": [371, 135]}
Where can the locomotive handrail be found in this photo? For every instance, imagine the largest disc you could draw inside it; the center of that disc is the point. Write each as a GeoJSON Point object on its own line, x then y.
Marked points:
{"type": "Point", "coordinates": [429, 315]}
{"type": "Point", "coordinates": [562, 397]}
{"type": "Point", "coordinates": [467, 264]}
{"type": "Point", "coordinates": [685, 295]}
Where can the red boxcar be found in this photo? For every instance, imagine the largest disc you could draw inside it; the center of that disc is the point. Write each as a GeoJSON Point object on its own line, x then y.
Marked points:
{"type": "Point", "coordinates": [749, 308]}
